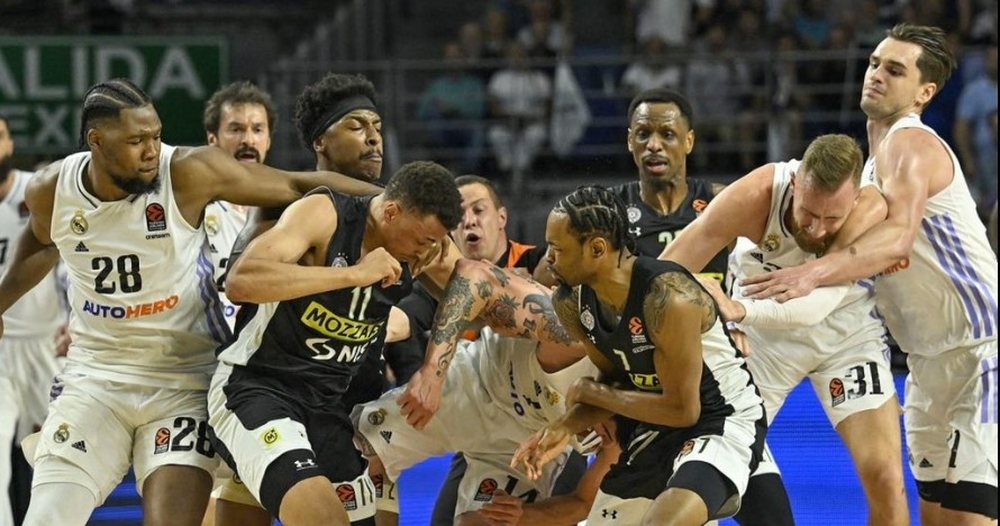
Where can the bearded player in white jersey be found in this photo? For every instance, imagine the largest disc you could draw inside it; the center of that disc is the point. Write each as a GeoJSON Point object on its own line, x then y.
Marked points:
{"type": "Point", "coordinates": [936, 284]}
{"type": "Point", "coordinates": [785, 214]}
{"type": "Point", "coordinates": [28, 352]}
{"type": "Point", "coordinates": [125, 217]}
{"type": "Point", "coordinates": [240, 119]}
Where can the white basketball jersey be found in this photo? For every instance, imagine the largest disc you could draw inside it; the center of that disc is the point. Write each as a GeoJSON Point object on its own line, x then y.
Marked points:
{"type": "Point", "coordinates": [141, 288]}
{"type": "Point", "coordinates": [223, 222]}
{"type": "Point", "coordinates": [40, 312]}
{"type": "Point", "coordinates": [852, 323]}
{"type": "Point", "coordinates": [513, 377]}
{"type": "Point", "coordinates": [945, 295]}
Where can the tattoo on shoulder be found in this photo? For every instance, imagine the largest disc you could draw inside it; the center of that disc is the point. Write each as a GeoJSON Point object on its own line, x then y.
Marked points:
{"type": "Point", "coordinates": [566, 303]}
{"type": "Point", "coordinates": [450, 320]}
{"type": "Point", "coordinates": [671, 286]}
{"type": "Point", "coordinates": [501, 276]}
{"type": "Point", "coordinates": [484, 289]}
{"type": "Point", "coordinates": [541, 305]}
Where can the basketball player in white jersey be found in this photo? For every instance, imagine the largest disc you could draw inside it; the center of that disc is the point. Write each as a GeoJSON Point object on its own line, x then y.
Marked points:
{"type": "Point", "coordinates": [125, 218]}
{"type": "Point", "coordinates": [936, 283]}
{"type": "Point", "coordinates": [498, 390]}
{"type": "Point", "coordinates": [784, 214]}
{"type": "Point", "coordinates": [239, 118]}
{"type": "Point", "coordinates": [28, 350]}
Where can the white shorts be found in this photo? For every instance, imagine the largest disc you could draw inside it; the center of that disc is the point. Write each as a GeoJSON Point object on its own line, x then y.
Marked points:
{"type": "Point", "coordinates": [846, 382]}
{"type": "Point", "coordinates": [103, 427]}
{"type": "Point", "coordinates": [27, 368]}
{"type": "Point", "coordinates": [951, 415]}
{"type": "Point", "coordinates": [468, 422]}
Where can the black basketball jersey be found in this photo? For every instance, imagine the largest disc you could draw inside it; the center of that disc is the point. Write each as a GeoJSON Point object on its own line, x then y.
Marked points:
{"type": "Point", "coordinates": [310, 347]}
{"type": "Point", "coordinates": [626, 344]}
{"type": "Point", "coordinates": [653, 232]}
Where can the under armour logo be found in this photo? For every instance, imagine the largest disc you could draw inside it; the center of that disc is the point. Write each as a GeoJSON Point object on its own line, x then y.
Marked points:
{"type": "Point", "coordinates": [613, 514]}
{"type": "Point", "coordinates": [304, 464]}
{"type": "Point", "coordinates": [635, 231]}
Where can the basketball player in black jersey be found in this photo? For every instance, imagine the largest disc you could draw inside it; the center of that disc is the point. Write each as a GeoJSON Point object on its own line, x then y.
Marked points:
{"type": "Point", "coordinates": [338, 120]}
{"type": "Point", "coordinates": [691, 423]}
{"type": "Point", "coordinates": [664, 200]}
{"type": "Point", "coordinates": [324, 279]}
{"type": "Point", "coordinates": [659, 205]}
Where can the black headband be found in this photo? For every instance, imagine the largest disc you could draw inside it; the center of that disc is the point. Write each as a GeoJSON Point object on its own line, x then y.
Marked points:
{"type": "Point", "coordinates": [337, 111]}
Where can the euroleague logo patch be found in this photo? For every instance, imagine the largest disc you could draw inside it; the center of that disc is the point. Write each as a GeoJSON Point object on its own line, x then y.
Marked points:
{"type": "Point", "coordinates": [161, 442]}
{"type": "Point", "coordinates": [837, 395]}
{"type": "Point", "coordinates": [347, 497]}
{"type": "Point", "coordinates": [156, 217]}
{"type": "Point", "coordinates": [486, 490]}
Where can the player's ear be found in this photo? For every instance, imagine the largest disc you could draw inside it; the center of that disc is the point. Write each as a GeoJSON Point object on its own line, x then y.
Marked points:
{"type": "Point", "coordinates": [598, 247]}
{"type": "Point", "coordinates": [628, 139]}
{"type": "Point", "coordinates": [390, 211]}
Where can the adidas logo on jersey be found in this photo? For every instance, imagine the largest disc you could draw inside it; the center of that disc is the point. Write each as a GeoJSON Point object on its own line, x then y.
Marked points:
{"type": "Point", "coordinates": [924, 463]}
{"type": "Point", "coordinates": [80, 445]}
{"type": "Point", "coordinates": [386, 435]}
{"type": "Point", "coordinates": [80, 247]}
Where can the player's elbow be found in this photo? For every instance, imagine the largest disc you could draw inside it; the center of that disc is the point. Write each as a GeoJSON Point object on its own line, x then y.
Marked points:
{"type": "Point", "coordinates": [239, 285]}
{"type": "Point", "coordinates": [685, 413]}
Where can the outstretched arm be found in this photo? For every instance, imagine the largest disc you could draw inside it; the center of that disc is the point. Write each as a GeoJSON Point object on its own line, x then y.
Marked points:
{"type": "Point", "coordinates": [35, 255]}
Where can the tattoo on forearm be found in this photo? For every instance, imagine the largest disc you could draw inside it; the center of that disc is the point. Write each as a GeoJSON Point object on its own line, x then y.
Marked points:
{"type": "Point", "coordinates": [451, 317]}
{"type": "Point", "coordinates": [674, 285]}
{"type": "Point", "coordinates": [445, 360]}
{"type": "Point", "coordinates": [541, 305]}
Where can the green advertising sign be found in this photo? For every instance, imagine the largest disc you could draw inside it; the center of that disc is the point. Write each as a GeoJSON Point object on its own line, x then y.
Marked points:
{"type": "Point", "coordinates": [43, 80]}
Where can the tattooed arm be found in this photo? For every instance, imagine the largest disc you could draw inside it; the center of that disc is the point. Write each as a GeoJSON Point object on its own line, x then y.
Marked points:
{"type": "Point", "coordinates": [678, 312]}
{"type": "Point", "coordinates": [510, 304]}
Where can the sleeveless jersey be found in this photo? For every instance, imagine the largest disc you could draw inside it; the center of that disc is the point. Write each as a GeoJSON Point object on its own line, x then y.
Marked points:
{"type": "Point", "coordinates": [309, 348]}
{"type": "Point", "coordinates": [852, 323]}
{"type": "Point", "coordinates": [653, 232]}
{"type": "Point", "coordinates": [726, 386]}
{"type": "Point", "coordinates": [512, 376]}
{"type": "Point", "coordinates": [143, 301]}
{"type": "Point", "coordinates": [944, 296]}
{"type": "Point", "coordinates": [223, 222]}
{"type": "Point", "coordinates": [40, 312]}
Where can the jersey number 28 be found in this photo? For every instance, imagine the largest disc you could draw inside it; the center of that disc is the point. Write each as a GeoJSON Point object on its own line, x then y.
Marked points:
{"type": "Point", "coordinates": [127, 266]}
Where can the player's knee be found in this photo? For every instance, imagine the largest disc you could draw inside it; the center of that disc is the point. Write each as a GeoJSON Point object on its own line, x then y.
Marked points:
{"type": "Point", "coordinates": [311, 502]}
{"type": "Point", "coordinates": [882, 477]}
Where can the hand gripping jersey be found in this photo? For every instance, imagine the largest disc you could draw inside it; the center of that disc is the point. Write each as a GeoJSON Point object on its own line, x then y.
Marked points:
{"type": "Point", "coordinates": [143, 301]}
{"type": "Point", "coordinates": [944, 296]}
{"type": "Point", "coordinates": [311, 347]}
{"type": "Point", "coordinates": [851, 324]}
{"type": "Point", "coordinates": [653, 232]}
{"type": "Point", "coordinates": [726, 386]}
{"type": "Point", "coordinates": [40, 312]}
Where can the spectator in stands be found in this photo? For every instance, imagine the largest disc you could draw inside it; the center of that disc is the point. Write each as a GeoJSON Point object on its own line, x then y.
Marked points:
{"type": "Point", "coordinates": [784, 125]}
{"type": "Point", "coordinates": [715, 82]}
{"type": "Point", "coordinates": [520, 101]}
{"type": "Point", "coordinates": [973, 135]}
{"type": "Point", "coordinates": [669, 20]}
{"type": "Point", "coordinates": [812, 25]}
{"type": "Point", "coordinates": [543, 37]}
{"type": "Point", "coordinates": [497, 37]}
{"type": "Point", "coordinates": [452, 106]}
{"type": "Point", "coordinates": [652, 69]}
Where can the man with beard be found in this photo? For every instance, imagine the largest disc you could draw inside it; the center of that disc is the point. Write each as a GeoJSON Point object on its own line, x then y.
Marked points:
{"type": "Point", "coordinates": [28, 352]}
{"type": "Point", "coordinates": [125, 217]}
{"type": "Point", "coordinates": [786, 214]}
{"type": "Point", "coordinates": [661, 135]}
{"type": "Point", "coordinates": [936, 283]}
{"type": "Point", "coordinates": [240, 119]}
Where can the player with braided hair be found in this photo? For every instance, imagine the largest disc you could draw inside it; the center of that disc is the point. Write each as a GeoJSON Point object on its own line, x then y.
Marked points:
{"type": "Point", "coordinates": [125, 217]}
{"type": "Point", "coordinates": [690, 421]}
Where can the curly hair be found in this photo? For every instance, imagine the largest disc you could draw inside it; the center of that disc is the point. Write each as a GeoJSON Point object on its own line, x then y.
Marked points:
{"type": "Point", "coordinates": [317, 98]}
{"type": "Point", "coordinates": [596, 211]}
{"type": "Point", "coordinates": [427, 187]}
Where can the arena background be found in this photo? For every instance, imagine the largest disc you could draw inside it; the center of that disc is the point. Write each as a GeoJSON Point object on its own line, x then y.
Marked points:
{"type": "Point", "coordinates": [764, 76]}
